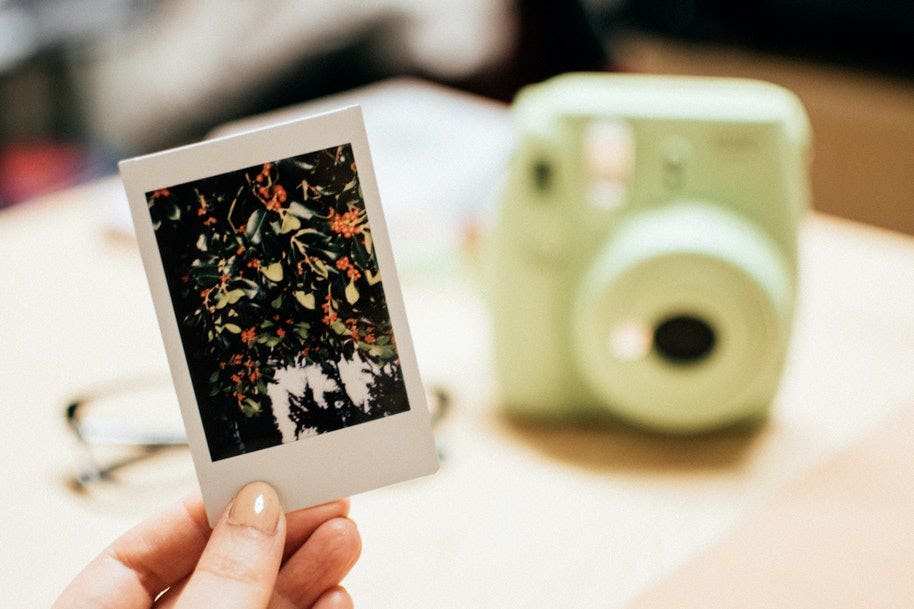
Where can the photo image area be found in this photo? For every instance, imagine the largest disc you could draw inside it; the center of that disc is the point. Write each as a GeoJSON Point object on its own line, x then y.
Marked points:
{"type": "Point", "coordinates": [274, 280]}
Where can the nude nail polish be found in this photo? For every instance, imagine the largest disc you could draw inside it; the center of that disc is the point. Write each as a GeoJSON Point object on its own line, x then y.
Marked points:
{"type": "Point", "coordinates": [256, 505]}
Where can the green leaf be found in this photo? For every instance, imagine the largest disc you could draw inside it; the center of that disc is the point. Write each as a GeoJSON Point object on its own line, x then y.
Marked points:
{"type": "Point", "coordinates": [249, 407]}
{"type": "Point", "coordinates": [309, 231]}
{"type": "Point", "coordinates": [305, 300]}
{"type": "Point", "coordinates": [372, 278]}
{"type": "Point", "coordinates": [233, 328]}
{"type": "Point", "coordinates": [321, 268]}
{"type": "Point", "coordinates": [233, 296]}
{"type": "Point", "coordinates": [254, 225]}
{"type": "Point", "coordinates": [273, 272]}
{"type": "Point", "coordinates": [301, 329]}
{"type": "Point", "coordinates": [277, 302]}
{"type": "Point", "coordinates": [384, 352]}
{"type": "Point", "coordinates": [339, 327]}
{"type": "Point", "coordinates": [268, 340]}
{"type": "Point", "coordinates": [172, 211]}
{"type": "Point", "coordinates": [289, 224]}
{"type": "Point", "coordinates": [300, 211]}
{"type": "Point", "coordinates": [352, 293]}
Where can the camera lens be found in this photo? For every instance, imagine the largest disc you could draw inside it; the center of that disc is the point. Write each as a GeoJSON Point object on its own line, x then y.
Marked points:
{"type": "Point", "coordinates": [684, 339]}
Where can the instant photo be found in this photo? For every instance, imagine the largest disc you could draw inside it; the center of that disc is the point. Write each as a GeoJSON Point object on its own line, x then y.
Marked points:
{"type": "Point", "coordinates": [277, 296]}
{"type": "Point", "coordinates": [280, 304]}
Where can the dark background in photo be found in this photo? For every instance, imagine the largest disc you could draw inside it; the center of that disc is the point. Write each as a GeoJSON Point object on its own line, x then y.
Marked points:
{"type": "Point", "coordinates": [272, 269]}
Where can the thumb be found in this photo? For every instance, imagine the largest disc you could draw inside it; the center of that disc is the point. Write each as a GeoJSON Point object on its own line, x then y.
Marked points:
{"type": "Point", "coordinates": [239, 566]}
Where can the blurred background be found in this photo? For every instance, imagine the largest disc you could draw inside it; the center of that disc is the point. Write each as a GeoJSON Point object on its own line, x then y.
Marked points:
{"type": "Point", "coordinates": [84, 83]}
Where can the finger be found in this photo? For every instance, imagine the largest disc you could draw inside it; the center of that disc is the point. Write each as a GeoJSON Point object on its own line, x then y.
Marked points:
{"type": "Point", "coordinates": [319, 565]}
{"type": "Point", "coordinates": [146, 560]}
{"type": "Point", "coordinates": [334, 598]}
{"type": "Point", "coordinates": [171, 596]}
{"type": "Point", "coordinates": [300, 524]}
{"type": "Point", "coordinates": [239, 565]}
{"type": "Point", "coordinates": [305, 522]}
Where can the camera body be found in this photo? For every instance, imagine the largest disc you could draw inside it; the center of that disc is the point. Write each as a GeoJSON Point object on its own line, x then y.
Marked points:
{"type": "Point", "coordinates": [643, 262]}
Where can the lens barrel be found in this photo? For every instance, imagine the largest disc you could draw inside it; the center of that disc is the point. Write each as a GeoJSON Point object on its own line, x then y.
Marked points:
{"type": "Point", "coordinates": [703, 299]}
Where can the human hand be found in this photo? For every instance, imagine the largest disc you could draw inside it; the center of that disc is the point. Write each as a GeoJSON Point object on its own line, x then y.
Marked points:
{"type": "Point", "coordinates": [255, 558]}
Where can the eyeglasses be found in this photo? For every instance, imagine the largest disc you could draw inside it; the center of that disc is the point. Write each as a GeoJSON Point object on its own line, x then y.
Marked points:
{"type": "Point", "coordinates": [130, 439]}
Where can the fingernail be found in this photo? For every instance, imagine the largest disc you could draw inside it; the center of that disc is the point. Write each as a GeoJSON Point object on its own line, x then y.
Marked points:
{"type": "Point", "coordinates": [256, 505]}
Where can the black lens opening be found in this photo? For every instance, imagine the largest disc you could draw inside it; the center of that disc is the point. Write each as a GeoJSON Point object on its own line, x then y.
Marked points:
{"type": "Point", "coordinates": [684, 339]}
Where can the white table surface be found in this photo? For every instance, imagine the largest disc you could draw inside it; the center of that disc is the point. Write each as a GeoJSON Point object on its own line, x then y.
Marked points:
{"type": "Point", "coordinates": [518, 516]}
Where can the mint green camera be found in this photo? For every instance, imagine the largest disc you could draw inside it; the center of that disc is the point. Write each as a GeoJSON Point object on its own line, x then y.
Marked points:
{"type": "Point", "coordinates": [643, 262]}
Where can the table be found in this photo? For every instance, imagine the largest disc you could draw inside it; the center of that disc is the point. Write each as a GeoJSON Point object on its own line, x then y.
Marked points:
{"type": "Point", "coordinates": [519, 515]}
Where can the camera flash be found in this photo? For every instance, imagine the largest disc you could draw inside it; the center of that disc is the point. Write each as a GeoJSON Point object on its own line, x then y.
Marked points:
{"type": "Point", "coordinates": [630, 340]}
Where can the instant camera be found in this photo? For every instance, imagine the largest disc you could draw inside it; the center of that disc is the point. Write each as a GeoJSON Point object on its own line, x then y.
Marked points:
{"type": "Point", "coordinates": [643, 262]}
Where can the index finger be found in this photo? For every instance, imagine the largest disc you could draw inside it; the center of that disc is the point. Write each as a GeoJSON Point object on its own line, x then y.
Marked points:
{"type": "Point", "coordinates": [138, 566]}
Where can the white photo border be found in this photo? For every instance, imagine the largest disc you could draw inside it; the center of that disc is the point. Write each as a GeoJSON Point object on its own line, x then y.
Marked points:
{"type": "Point", "coordinates": [319, 468]}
